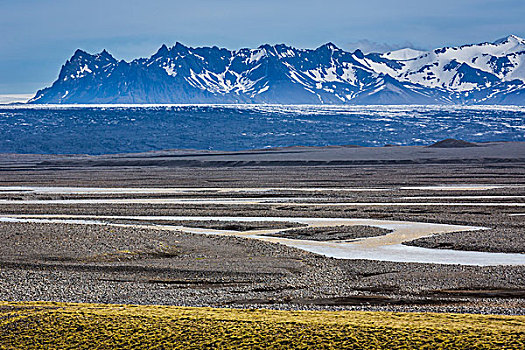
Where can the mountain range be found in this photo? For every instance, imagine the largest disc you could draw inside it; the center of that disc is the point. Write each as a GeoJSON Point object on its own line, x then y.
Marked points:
{"type": "Point", "coordinates": [485, 73]}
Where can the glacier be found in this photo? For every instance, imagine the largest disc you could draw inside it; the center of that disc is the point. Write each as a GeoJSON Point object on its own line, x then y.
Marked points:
{"type": "Point", "coordinates": [125, 128]}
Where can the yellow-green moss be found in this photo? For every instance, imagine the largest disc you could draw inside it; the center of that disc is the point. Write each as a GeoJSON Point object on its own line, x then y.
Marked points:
{"type": "Point", "coordinates": [44, 325]}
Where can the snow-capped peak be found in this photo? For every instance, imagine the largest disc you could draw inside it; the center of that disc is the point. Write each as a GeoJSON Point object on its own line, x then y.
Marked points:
{"type": "Point", "coordinates": [508, 45]}
{"type": "Point", "coordinates": [403, 54]}
{"type": "Point", "coordinates": [514, 39]}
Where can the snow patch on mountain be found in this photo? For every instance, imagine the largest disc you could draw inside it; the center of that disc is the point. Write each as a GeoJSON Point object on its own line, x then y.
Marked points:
{"type": "Point", "coordinates": [403, 54]}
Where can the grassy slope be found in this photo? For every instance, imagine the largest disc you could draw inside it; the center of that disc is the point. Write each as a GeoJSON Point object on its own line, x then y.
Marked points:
{"type": "Point", "coordinates": [76, 326]}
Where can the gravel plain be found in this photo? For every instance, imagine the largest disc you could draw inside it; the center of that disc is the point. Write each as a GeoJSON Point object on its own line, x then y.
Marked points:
{"type": "Point", "coordinates": [87, 263]}
{"type": "Point", "coordinates": [81, 263]}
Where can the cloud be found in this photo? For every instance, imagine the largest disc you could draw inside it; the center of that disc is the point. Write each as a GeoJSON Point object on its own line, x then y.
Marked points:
{"type": "Point", "coordinates": [368, 46]}
{"type": "Point", "coordinates": [11, 98]}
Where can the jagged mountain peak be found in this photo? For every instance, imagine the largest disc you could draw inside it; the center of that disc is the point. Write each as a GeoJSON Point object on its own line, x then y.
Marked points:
{"type": "Point", "coordinates": [79, 53]}
{"type": "Point", "coordinates": [162, 51]}
{"type": "Point", "coordinates": [105, 55]}
{"type": "Point", "coordinates": [81, 56]}
{"type": "Point", "coordinates": [359, 54]}
{"type": "Point", "coordinates": [268, 49]}
{"type": "Point", "coordinates": [179, 46]}
{"type": "Point", "coordinates": [328, 46]}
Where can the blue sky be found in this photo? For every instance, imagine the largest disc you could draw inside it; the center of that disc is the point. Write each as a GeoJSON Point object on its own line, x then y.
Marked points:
{"type": "Point", "coordinates": [39, 35]}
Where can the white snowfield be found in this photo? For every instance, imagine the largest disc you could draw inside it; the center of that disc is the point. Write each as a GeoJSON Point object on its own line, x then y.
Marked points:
{"type": "Point", "coordinates": [431, 68]}
{"type": "Point", "coordinates": [403, 54]}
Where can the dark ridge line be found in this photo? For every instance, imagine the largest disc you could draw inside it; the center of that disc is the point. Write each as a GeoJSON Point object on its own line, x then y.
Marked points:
{"type": "Point", "coordinates": [269, 163]}
{"type": "Point", "coordinates": [233, 153]}
{"type": "Point", "coordinates": [118, 268]}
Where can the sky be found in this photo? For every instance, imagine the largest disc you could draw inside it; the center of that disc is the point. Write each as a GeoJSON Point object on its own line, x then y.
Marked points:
{"type": "Point", "coordinates": [38, 36]}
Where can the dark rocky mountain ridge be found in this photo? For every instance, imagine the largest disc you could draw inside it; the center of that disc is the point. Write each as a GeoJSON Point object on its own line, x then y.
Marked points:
{"type": "Point", "coordinates": [486, 73]}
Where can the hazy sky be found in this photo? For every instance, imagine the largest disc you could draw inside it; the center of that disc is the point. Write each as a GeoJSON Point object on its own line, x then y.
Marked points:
{"type": "Point", "coordinates": [38, 36]}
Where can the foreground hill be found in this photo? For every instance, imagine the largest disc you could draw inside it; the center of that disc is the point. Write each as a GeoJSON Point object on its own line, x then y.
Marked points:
{"type": "Point", "coordinates": [486, 73]}
{"type": "Point", "coordinates": [87, 326]}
